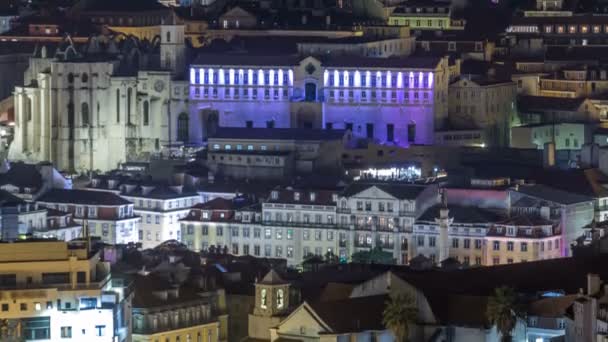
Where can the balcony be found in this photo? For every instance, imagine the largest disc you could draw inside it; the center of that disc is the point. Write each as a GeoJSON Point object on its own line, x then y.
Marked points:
{"type": "Point", "coordinates": [300, 224]}
{"type": "Point", "coordinates": [343, 210]}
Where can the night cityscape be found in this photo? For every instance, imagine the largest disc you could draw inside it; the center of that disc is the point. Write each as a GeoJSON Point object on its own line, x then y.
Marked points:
{"type": "Point", "coordinates": [304, 170]}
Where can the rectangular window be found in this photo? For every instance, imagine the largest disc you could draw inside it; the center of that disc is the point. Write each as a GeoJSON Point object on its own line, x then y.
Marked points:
{"type": "Point", "coordinates": [467, 243]}
{"type": "Point", "coordinates": [524, 246]}
{"type": "Point", "coordinates": [496, 245]}
{"type": "Point", "coordinates": [390, 132]}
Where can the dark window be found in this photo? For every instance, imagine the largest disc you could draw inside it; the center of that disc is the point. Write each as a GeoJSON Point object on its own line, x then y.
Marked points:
{"type": "Point", "coordinates": [117, 105]}
{"type": "Point", "coordinates": [4, 306]}
{"type": "Point", "coordinates": [182, 127]}
{"type": "Point", "coordinates": [56, 278]}
{"type": "Point", "coordinates": [390, 132]}
{"type": "Point", "coordinates": [81, 277]}
{"type": "Point", "coordinates": [146, 113]}
{"type": "Point", "coordinates": [84, 112]}
{"type": "Point", "coordinates": [329, 125]}
{"type": "Point", "coordinates": [249, 124]}
{"type": "Point", "coordinates": [370, 130]}
{"type": "Point", "coordinates": [411, 132]}
{"type": "Point", "coordinates": [8, 280]}
{"type": "Point", "coordinates": [38, 328]}
{"type": "Point", "coordinates": [310, 92]}
{"type": "Point", "coordinates": [270, 124]}
{"type": "Point", "coordinates": [129, 95]}
{"type": "Point", "coordinates": [349, 126]}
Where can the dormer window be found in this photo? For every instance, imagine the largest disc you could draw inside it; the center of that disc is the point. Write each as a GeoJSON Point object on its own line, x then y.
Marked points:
{"type": "Point", "coordinates": [205, 215]}
{"type": "Point", "coordinates": [334, 198]}
{"type": "Point", "coordinates": [313, 197]}
{"type": "Point", "coordinates": [296, 196]}
{"type": "Point", "coordinates": [222, 215]}
{"type": "Point", "coordinates": [274, 195]}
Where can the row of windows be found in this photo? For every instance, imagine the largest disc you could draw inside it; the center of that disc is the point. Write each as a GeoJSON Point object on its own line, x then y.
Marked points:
{"type": "Point", "coordinates": [158, 235]}
{"type": "Point", "coordinates": [385, 79]}
{"type": "Point", "coordinates": [398, 96]}
{"type": "Point", "coordinates": [573, 29]}
{"type": "Point", "coordinates": [242, 77]}
{"type": "Point", "coordinates": [478, 243]}
{"type": "Point", "coordinates": [245, 93]}
{"type": "Point", "coordinates": [279, 233]}
{"type": "Point", "coordinates": [171, 204]}
{"type": "Point", "coordinates": [277, 252]}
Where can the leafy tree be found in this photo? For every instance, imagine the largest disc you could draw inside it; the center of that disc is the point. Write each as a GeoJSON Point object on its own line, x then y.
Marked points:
{"type": "Point", "coordinates": [374, 256]}
{"type": "Point", "coordinates": [400, 314]}
{"type": "Point", "coordinates": [504, 311]}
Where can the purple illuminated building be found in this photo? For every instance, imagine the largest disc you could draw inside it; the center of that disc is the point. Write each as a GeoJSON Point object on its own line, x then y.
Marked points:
{"type": "Point", "coordinates": [390, 100]}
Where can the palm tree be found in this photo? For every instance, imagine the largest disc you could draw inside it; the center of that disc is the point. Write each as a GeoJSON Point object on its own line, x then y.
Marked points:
{"type": "Point", "coordinates": [504, 311]}
{"type": "Point", "coordinates": [399, 314]}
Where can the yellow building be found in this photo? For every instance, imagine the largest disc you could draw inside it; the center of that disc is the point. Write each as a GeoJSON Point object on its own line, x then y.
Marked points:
{"type": "Point", "coordinates": [163, 312]}
{"type": "Point", "coordinates": [425, 16]}
{"type": "Point", "coordinates": [53, 290]}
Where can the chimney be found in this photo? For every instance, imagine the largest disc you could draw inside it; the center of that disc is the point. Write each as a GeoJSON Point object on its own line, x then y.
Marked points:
{"type": "Point", "coordinates": [593, 284]}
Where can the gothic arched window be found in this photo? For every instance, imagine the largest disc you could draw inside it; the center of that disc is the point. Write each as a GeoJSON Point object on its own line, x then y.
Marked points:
{"type": "Point", "coordinates": [129, 95]}
{"type": "Point", "coordinates": [117, 105]}
{"type": "Point", "coordinates": [84, 112]}
{"type": "Point", "coordinates": [263, 299]}
{"type": "Point", "coordinates": [182, 127]}
{"type": "Point", "coordinates": [280, 299]}
{"type": "Point", "coordinates": [146, 113]}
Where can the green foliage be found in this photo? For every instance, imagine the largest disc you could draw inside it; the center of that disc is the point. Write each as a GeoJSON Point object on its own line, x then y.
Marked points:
{"type": "Point", "coordinates": [400, 314]}
{"type": "Point", "coordinates": [374, 256]}
{"type": "Point", "coordinates": [504, 310]}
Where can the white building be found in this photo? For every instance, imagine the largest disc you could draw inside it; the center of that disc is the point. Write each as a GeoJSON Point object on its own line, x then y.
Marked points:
{"type": "Point", "coordinates": [160, 209]}
{"type": "Point", "coordinates": [294, 224]}
{"type": "Point", "coordinates": [109, 103]}
{"type": "Point", "coordinates": [108, 215]}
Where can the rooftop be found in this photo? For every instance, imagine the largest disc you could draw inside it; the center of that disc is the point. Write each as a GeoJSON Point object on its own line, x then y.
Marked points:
{"type": "Point", "coordinates": [87, 197]}
{"type": "Point", "coordinates": [395, 189]}
{"type": "Point", "coordinates": [552, 194]}
{"type": "Point", "coordinates": [463, 214]}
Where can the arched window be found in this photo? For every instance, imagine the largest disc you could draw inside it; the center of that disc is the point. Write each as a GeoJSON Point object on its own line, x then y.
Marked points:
{"type": "Point", "coordinates": [28, 108]}
{"type": "Point", "coordinates": [182, 127]}
{"type": "Point", "coordinates": [146, 113]}
{"type": "Point", "coordinates": [117, 105]}
{"type": "Point", "coordinates": [263, 299]}
{"type": "Point", "coordinates": [168, 60]}
{"type": "Point", "coordinates": [84, 112]}
{"type": "Point", "coordinates": [280, 299]}
{"type": "Point", "coordinates": [129, 95]}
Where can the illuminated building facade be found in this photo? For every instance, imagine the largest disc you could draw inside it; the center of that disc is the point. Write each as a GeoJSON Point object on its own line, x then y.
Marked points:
{"type": "Point", "coordinates": [108, 215]}
{"type": "Point", "coordinates": [186, 313]}
{"type": "Point", "coordinates": [422, 15]}
{"type": "Point", "coordinates": [55, 291]}
{"type": "Point", "coordinates": [392, 100]}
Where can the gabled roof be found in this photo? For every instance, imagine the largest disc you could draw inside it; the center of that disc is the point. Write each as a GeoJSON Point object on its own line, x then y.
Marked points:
{"type": "Point", "coordinates": [397, 190]}
{"type": "Point", "coordinates": [272, 278]}
{"type": "Point", "coordinates": [87, 197]}
{"type": "Point", "coordinates": [352, 314]}
{"type": "Point", "coordinates": [463, 214]}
